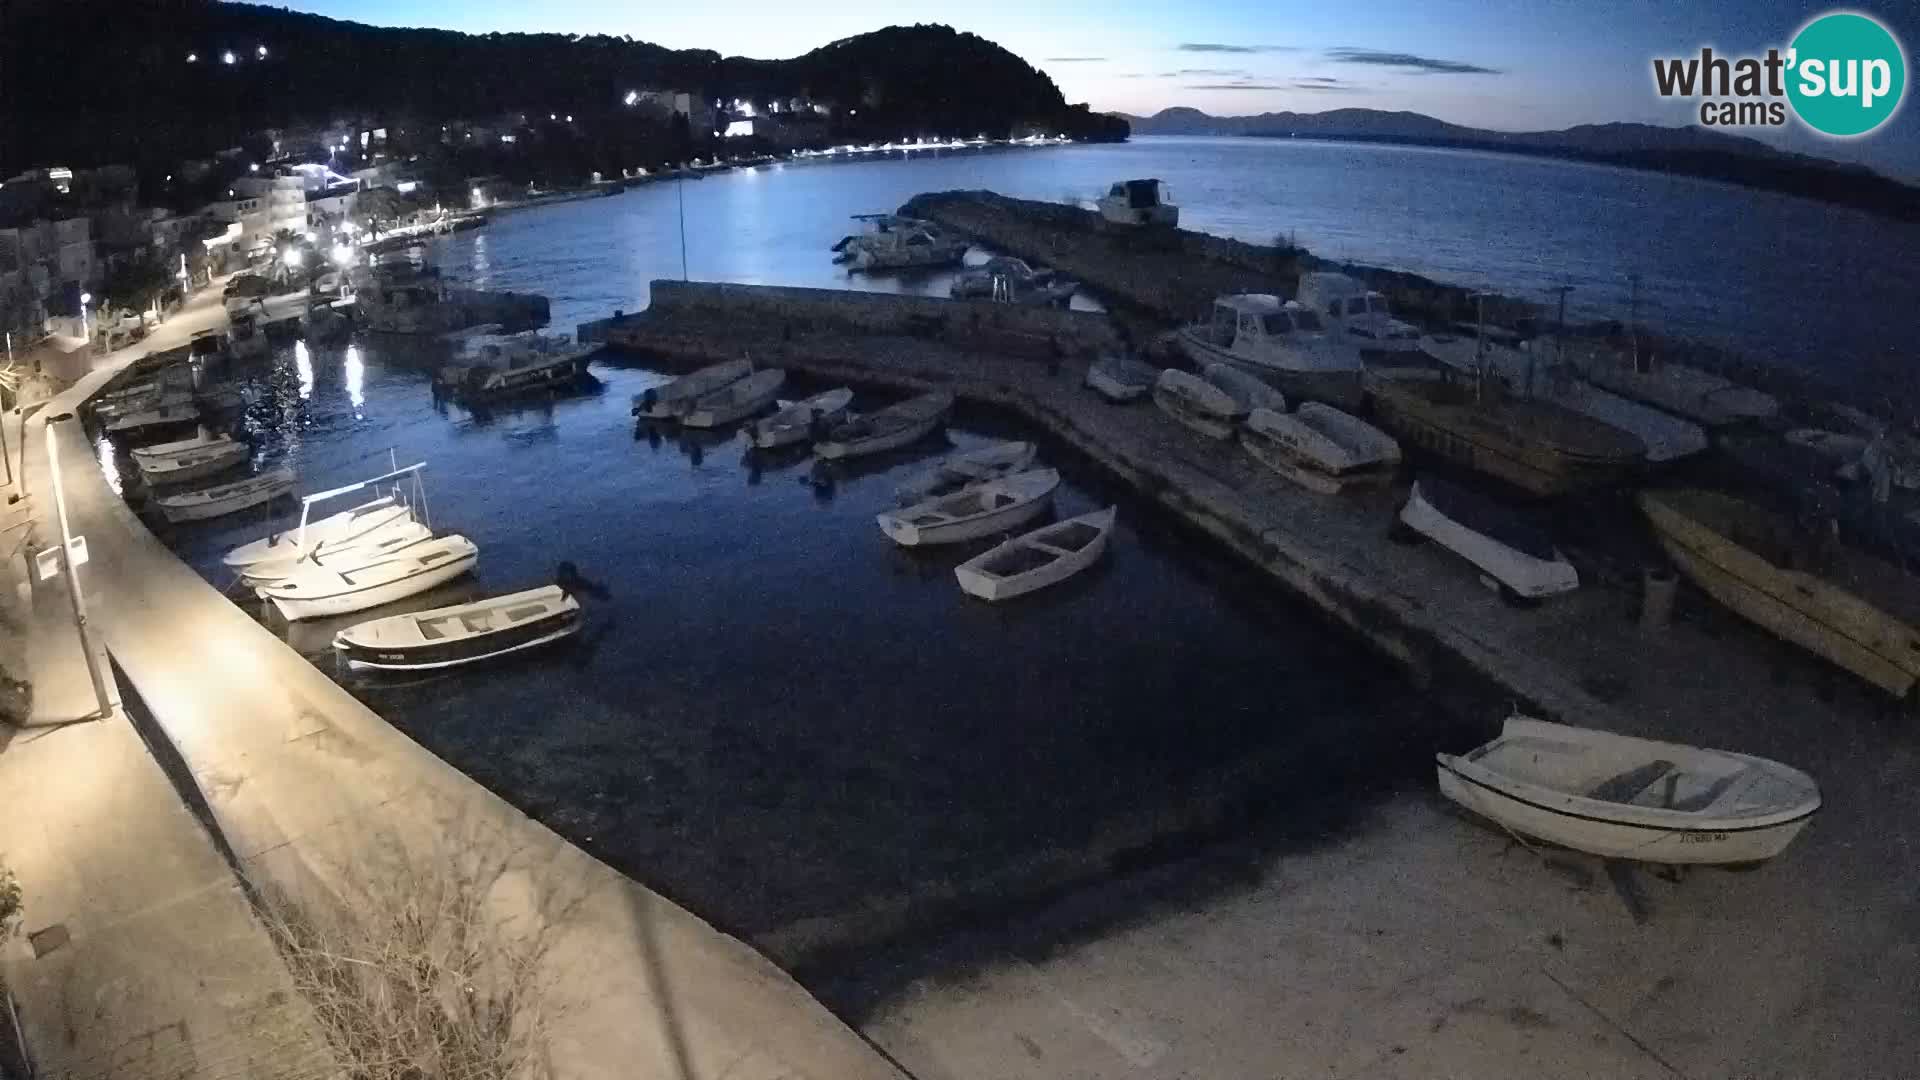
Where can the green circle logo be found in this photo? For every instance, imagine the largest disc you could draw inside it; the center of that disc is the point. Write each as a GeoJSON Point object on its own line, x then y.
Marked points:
{"type": "Point", "coordinates": [1846, 74]}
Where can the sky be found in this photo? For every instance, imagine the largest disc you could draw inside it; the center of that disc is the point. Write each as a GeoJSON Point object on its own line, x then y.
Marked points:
{"type": "Point", "coordinates": [1510, 65]}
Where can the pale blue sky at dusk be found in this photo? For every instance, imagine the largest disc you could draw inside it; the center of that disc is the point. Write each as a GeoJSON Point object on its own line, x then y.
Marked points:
{"type": "Point", "coordinates": [1502, 64]}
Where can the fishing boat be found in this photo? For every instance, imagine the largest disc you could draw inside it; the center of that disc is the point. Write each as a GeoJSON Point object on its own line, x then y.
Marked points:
{"type": "Point", "coordinates": [1537, 446]}
{"type": "Point", "coordinates": [174, 412]}
{"type": "Point", "coordinates": [1139, 202]}
{"type": "Point", "coordinates": [317, 591]}
{"type": "Point", "coordinates": [1046, 556]}
{"type": "Point", "coordinates": [461, 634]}
{"type": "Point", "coordinates": [1836, 602]}
{"type": "Point", "coordinates": [892, 242]}
{"type": "Point", "coordinates": [1321, 448]}
{"type": "Point", "coordinates": [194, 463]}
{"type": "Point", "coordinates": [334, 530]}
{"type": "Point", "coordinates": [1121, 379]}
{"type": "Point", "coordinates": [798, 421]}
{"type": "Point", "coordinates": [492, 366]}
{"type": "Point", "coordinates": [369, 547]}
{"type": "Point", "coordinates": [1357, 314]}
{"type": "Point", "coordinates": [1621, 797]}
{"type": "Point", "coordinates": [1505, 545]}
{"type": "Point", "coordinates": [199, 440]}
{"type": "Point", "coordinates": [1198, 403]}
{"type": "Point", "coordinates": [989, 508]}
{"type": "Point", "coordinates": [676, 397]}
{"type": "Point", "coordinates": [967, 467]}
{"type": "Point", "coordinates": [226, 499]}
{"type": "Point", "coordinates": [1280, 341]}
{"type": "Point", "coordinates": [736, 401]}
{"type": "Point", "coordinates": [889, 429]}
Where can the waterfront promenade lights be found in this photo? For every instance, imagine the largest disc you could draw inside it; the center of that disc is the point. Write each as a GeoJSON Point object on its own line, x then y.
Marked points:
{"type": "Point", "coordinates": [227, 57]}
{"type": "Point", "coordinates": [632, 96]}
{"type": "Point", "coordinates": [193, 58]}
{"type": "Point", "coordinates": [260, 51]}
{"type": "Point", "coordinates": [342, 255]}
{"type": "Point", "coordinates": [85, 299]}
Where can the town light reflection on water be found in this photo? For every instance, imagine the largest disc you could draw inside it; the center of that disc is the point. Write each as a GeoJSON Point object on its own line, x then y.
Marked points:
{"type": "Point", "coordinates": [303, 367]}
{"type": "Point", "coordinates": [356, 371]}
{"type": "Point", "coordinates": [109, 465]}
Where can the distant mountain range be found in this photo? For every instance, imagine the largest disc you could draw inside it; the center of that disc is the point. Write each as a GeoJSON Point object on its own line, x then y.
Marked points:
{"type": "Point", "coordinates": [1691, 151]}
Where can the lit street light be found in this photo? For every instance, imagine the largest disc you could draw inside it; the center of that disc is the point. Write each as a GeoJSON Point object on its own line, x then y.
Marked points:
{"type": "Point", "coordinates": [342, 255]}
{"type": "Point", "coordinates": [632, 96]}
{"type": "Point", "coordinates": [85, 299]}
{"type": "Point", "coordinates": [292, 257]}
{"type": "Point", "coordinates": [227, 57]}
{"type": "Point", "coordinates": [261, 52]}
{"type": "Point", "coordinates": [193, 58]}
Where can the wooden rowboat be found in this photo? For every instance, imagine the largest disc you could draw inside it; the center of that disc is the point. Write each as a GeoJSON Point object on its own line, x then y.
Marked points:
{"type": "Point", "coordinates": [736, 401]}
{"type": "Point", "coordinates": [797, 422]}
{"type": "Point", "coordinates": [965, 468]}
{"type": "Point", "coordinates": [888, 429]}
{"type": "Point", "coordinates": [1321, 448]}
{"type": "Point", "coordinates": [461, 634]}
{"type": "Point", "coordinates": [678, 396]}
{"type": "Point", "coordinates": [992, 507]}
{"type": "Point", "coordinates": [1046, 556]}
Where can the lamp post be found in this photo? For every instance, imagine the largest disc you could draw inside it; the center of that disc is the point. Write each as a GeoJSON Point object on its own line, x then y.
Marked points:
{"type": "Point", "coordinates": [73, 578]}
{"type": "Point", "coordinates": [86, 330]}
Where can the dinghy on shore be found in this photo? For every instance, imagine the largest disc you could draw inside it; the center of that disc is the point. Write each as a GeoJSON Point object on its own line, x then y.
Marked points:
{"type": "Point", "coordinates": [736, 401]}
{"type": "Point", "coordinates": [678, 396]}
{"type": "Point", "coordinates": [1046, 556]}
{"type": "Point", "coordinates": [1249, 390]}
{"type": "Point", "coordinates": [989, 508]}
{"type": "Point", "coordinates": [1198, 403]}
{"type": "Point", "coordinates": [315, 592]}
{"type": "Point", "coordinates": [1621, 797]}
{"type": "Point", "coordinates": [889, 429]}
{"type": "Point", "coordinates": [967, 467]}
{"type": "Point", "coordinates": [1321, 448]}
{"type": "Point", "coordinates": [797, 422]}
{"type": "Point", "coordinates": [1121, 379]}
{"type": "Point", "coordinates": [1508, 547]}
{"type": "Point", "coordinates": [461, 634]}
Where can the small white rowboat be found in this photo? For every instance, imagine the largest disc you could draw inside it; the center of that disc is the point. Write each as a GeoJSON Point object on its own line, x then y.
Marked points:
{"type": "Point", "coordinates": [992, 507]}
{"type": "Point", "coordinates": [889, 429]}
{"type": "Point", "coordinates": [965, 468]}
{"type": "Point", "coordinates": [226, 499]}
{"type": "Point", "coordinates": [1121, 379]}
{"type": "Point", "coordinates": [1508, 548]}
{"type": "Point", "coordinates": [1198, 403]}
{"type": "Point", "coordinates": [1321, 448]}
{"type": "Point", "coordinates": [736, 401]}
{"type": "Point", "coordinates": [1046, 556]}
{"type": "Point", "coordinates": [199, 440]}
{"type": "Point", "coordinates": [461, 634]}
{"type": "Point", "coordinates": [1625, 798]}
{"type": "Point", "coordinates": [217, 456]}
{"type": "Point", "coordinates": [796, 422]}
{"type": "Point", "coordinates": [678, 396]}
{"type": "Point", "coordinates": [334, 529]}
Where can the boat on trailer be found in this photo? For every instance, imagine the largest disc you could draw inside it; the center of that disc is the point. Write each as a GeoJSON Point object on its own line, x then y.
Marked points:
{"type": "Point", "coordinates": [1621, 797]}
{"type": "Point", "coordinates": [213, 502]}
{"type": "Point", "coordinates": [989, 508]}
{"type": "Point", "coordinates": [1046, 556]}
{"type": "Point", "coordinates": [888, 429]}
{"type": "Point", "coordinates": [462, 633]}
{"type": "Point", "coordinates": [315, 592]}
{"type": "Point", "coordinates": [962, 469]}
{"type": "Point", "coordinates": [1321, 448]}
{"type": "Point", "coordinates": [676, 397]}
{"type": "Point", "coordinates": [1505, 545]}
{"type": "Point", "coordinates": [801, 420]}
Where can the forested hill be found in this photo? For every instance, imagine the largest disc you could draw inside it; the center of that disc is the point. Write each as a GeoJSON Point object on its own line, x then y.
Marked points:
{"type": "Point", "coordinates": [89, 82]}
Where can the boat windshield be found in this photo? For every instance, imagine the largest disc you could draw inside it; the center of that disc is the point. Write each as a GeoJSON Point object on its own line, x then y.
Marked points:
{"type": "Point", "coordinates": [1307, 320]}
{"type": "Point", "coordinates": [1276, 325]}
{"type": "Point", "coordinates": [1357, 305]}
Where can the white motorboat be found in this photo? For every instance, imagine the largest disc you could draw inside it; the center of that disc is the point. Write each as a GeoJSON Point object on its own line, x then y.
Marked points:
{"type": "Point", "coordinates": [676, 397]}
{"type": "Point", "coordinates": [1198, 403]}
{"type": "Point", "coordinates": [194, 464]}
{"type": "Point", "coordinates": [1321, 448]}
{"type": "Point", "coordinates": [226, 499]}
{"type": "Point", "coordinates": [888, 429]}
{"type": "Point", "coordinates": [199, 440]}
{"type": "Point", "coordinates": [892, 242]}
{"type": "Point", "coordinates": [1507, 547]}
{"type": "Point", "coordinates": [1005, 279]}
{"type": "Point", "coordinates": [183, 411]}
{"type": "Point", "coordinates": [736, 401]}
{"type": "Point", "coordinates": [1121, 379]}
{"type": "Point", "coordinates": [500, 365]}
{"type": "Point", "coordinates": [1046, 556]}
{"type": "Point", "coordinates": [331, 531]}
{"type": "Point", "coordinates": [317, 592]}
{"type": "Point", "coordinates": [1356, 313]}
{"type": "Point", "coordinates": [1622, 797]}
{"type": "Point", "coordinates": [967, 467]}
{"type": "Point", "coordinates": [369, 547]}
{"type": "Point", "coordinates": [1282, 342]}
{"type": "Point", "coordinates": [797, 422]}
{"type": "Point", "coordinates": [1700, 396]}
{"type": "Point", "coordinates": [992, 507]}
{"type": "Point", "coordinates": [1248, 391]}
{"type": "Point", "coordinates": [461, 634]}
{"type": "Point", "coordinates": [1139, 202]}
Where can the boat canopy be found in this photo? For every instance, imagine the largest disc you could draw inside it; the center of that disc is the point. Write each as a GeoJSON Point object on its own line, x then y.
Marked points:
{"type": "Point", "coordinates": [1140, 194]}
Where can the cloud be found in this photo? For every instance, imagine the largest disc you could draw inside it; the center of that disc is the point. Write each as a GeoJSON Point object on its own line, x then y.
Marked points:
{"type": "Point", "coordinates": [1214, 47]}
{"type": "Point", "coordinates": [1318, 78]}
{"type": "Point", "coordinates": [1324, 86]}
{"type": "Point", "coordinates": [1426, 65]}
{"type": "Point", "coordinates": [1205, 73]}
{"type": "Point", "coordinates": [1075, 60]}
{"type": "Point", "coordinates": [1237, 86]}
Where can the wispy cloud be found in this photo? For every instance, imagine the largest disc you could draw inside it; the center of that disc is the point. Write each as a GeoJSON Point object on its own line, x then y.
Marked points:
{"type": "Point", "coordinates": [1318, 78]}
{"type": "Point", "coordinates": [1205, 73]}
{"type": "Point", "coordinates": [1074, 60]}
{"type": "Point", "coordinates": [1236, 86]}
{"type": "Point", "coordinates": [1216, 47]}
{"type": "Point", "coordinates": [1426, 65]}
{"type": "Point", "coordinates": [1324, 86]}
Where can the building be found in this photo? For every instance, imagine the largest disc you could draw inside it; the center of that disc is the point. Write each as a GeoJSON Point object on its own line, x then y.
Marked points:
{"type": "Point", "coordinates": [43, 269]}
{"type": "Point", "coordinates": [261, 206]}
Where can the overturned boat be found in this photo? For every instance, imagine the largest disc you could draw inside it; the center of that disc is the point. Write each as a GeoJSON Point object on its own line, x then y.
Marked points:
{"type": "Point", "coordinates": [1321, 448]}
{"type": "Point", "coordinates": [1198, 404]}
{"type": "Point", "coordinates": [1508, 547]}
{"type": "Point", "coordinates": [1121, 379]}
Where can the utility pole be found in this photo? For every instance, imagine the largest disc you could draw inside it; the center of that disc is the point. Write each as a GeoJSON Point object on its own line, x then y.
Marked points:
{"type": "Point", "coordinates": [73, 582]}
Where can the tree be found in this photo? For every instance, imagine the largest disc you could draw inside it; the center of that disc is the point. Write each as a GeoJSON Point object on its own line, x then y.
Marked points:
{"type": "Point", "coordinates": [290, 253]}
{"type": "Point", "coordinates": [381, 207]}
{"type": "Point", "coordinates": [137, 283]}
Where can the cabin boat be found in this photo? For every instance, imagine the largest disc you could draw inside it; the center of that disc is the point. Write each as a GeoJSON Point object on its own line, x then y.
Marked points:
{"type": "Point", "coordinates": [891, 242]}
{"type": "Point", "coordinates": [888, 429]}
{"type": "Point", "coordinates": [1537, 446]}
{"type": "Point", "coordinates": [275, 550]}
{"type": "Point", "coordinates": [736, 401]}
{"type": "Point", "coordinates": [1198, 404]}
{"type": "Point", "coordinates": [315, 592]}
{"type": "Point", "coordinates": [799, 421]}
{"type": "Point", "coordinates": [462, 633]}
{"type": "Point", "coordinates": [1281, 342]}
{"type": "Point", "coordinates": [1046, 556]}
{"type": "Point", "coordinates": [981, 510]}
{"type": "Point", "coordinates": [965, 468]}
{"type": "Point", "coordinates": [1836, 602]}
{"type": "Point", "coordinates": [1139, 203]}
{"type": "Point", "coordinates": [1121, 379]}
{"type": "Point", "coordinates": [225, 499]}
{"type": "Point", "coordinates": [1621, 797]}
{"type": "Point", "coordinates": [499, 365]}
{"type": "Point", "coordinates": [1321, 448]}
{"type": "Point", "coordinates": [1356, 313]}
{"type": "Point", "coordinates": [1005, 279]}
{"type": "Point", "coordinates": [193, 463]}
{"type": "Point", "coordinates": [677, 397]}
{"type": "Point", "coordinates": [1700, 396]}
{"type": "Point", "coordinates": [1517, 554]}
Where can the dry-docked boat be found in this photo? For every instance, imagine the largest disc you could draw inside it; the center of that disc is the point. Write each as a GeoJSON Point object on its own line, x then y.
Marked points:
{"type": "Point", "coordinates": [1356, 313]}
{"type": "Point", "coordinates": [317, 592]}
{"type": "Point", "coordinates": [889, 429]}
{"type": "Point", "coordinates": [1700, 396]}
{"type": "Point", "coordinates": [1280, 341]}
{"type": "Point", "coordinates": [1855, 610]}
{"type": "Point", "coordinates": [676, 397]}
{"type": "Point", "coordinates": [1121, 379]}
{"type": "Point", "coordinates": [226, 499]}
{"type": "Point", "coordinates": [967, 467]}
{"type": "Point", "coordinates": [800, 420]}
{"type": "Point", "coordinates": [1250, 391]}
{"type": "Point", "coordinates": [992, 507]}
{"type": "Point", "coordinates": [332, 531]}
{"type": "Point", "coordinates": [182, 411]}
{"type": "Point", "coordinates": [737, 400]}
{"type": "Point", "coordinates": [195, 463]}
{"type": "Point", "coordinates": [461, 634]}
{"type": "Point", "coordinates": [370, 547]}
{"type": "Point", "coordinates": [1539, 447]}
{"type": "Point", "coordinates": [1625, 798]}
{"type": "Point", "coordinates": [1198, 403]}
{"type": "Point", "coordinates": [1509, 548]}
{"type": "Point", "coordinates": [1321, 448]}
{"type": "Point", "coordinates": [1008, 280]}
{"type": "Point", "coordinates": [1046, 556]}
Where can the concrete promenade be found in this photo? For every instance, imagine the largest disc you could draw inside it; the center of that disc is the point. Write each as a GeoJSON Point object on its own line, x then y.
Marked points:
{"type": "Point", "coordinates": [321, 801]}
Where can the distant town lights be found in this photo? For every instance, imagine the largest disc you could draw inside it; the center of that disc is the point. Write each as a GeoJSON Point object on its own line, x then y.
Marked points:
{"type": "Point", "coordinates": [260, 51]}
{"type": "Point", "coordinates": [227, 57]}
{"type": "Point", "coordinates": [632, 96]}
{"type": "Point", "coordinates": [193, 58]}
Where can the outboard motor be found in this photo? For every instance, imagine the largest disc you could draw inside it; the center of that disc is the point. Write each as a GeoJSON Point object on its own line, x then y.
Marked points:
{"type": "Point", "coordinates": [570, 580]}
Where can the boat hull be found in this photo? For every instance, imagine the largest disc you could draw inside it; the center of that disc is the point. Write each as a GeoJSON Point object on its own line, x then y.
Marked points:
{"type": "Point", "coordinates": [880, 443]}
{"type": "Point", "coordinates": [206, 463]}
{"type": "Point", "coordinates": [1338, 384]}
{"type": "Point", "coordinates": [994, 588]}
{"type": "Point", "coordinates": [1115, 388]}
{"type": "Point", "coordinates": [907, 534]}
{"type": "Point", "coordinates": [334, 530]}
{"type": "Point", "coordinates": [782, 429]}
{"type": "Point", "coordinates": [705, 415]}
{"type": "Point", "coordinates": [1309, 472]}
{"type": "Point", "coordinates": [251, 496]}
{"type": "Point", "coordinates": [1525, 574]}
{"type": "Point", "coordinates": [1465, 436]}
{"type": "Point", "coordinates": [346, 603]}
{"type": "Point", "coordinates": [433, 655]}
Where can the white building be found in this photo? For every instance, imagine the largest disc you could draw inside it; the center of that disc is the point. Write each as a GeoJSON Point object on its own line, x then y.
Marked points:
{"type": "Point", "coordinates": [39, 261]}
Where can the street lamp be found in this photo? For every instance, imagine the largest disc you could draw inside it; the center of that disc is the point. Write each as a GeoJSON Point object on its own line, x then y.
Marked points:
{"type": "Point", "coordinates": [292, 257]}
{"type": "Point", "coordinates": [342, 255]}
{"type": "Point", "coordinates": [227, 57]}
{"type": "Point", "coordinates": [85, 299]}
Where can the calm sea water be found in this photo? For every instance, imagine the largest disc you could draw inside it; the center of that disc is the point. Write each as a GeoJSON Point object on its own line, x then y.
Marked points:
{"type": "Point", "coordinates": [1805, 284]}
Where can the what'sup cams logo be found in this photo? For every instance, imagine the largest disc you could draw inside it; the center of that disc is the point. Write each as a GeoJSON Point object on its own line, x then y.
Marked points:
{"type": "Point", "coordinates": [1843, 75]}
